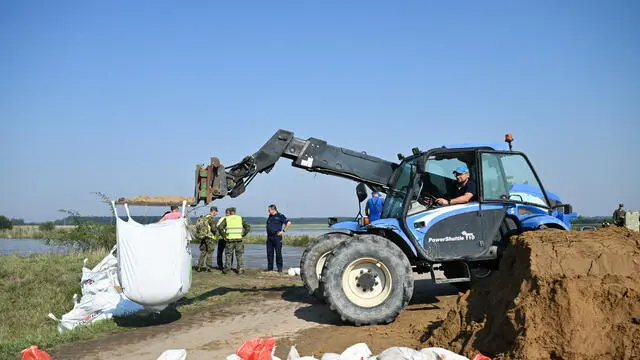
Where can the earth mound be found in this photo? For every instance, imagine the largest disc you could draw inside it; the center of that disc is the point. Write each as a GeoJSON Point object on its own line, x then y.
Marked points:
{"type": "Point", "coordinates": [558, 295]}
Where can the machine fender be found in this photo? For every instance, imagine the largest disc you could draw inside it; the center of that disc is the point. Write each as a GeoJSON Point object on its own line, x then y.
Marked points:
{"type": "Point", "coordinates": [534, 221]}
{"type": "Point", "coordinates": [392, 225]}
{"type": "Point", "coordinates": [346, 227]}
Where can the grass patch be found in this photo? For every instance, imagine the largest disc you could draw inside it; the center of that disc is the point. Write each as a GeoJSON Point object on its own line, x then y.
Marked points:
{"type": "Point", "coordinates": [32, 232]}
{"type": "Point", "coordinates": [290, 240]}
{"type": "Point", "coordinates": [30, 288]}
{"type": "Point", "coordinates": [33, 286]}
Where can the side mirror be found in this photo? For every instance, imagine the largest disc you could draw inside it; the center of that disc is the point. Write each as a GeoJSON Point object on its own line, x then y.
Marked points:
{"type": "Point", "coordinates": [361, 192]}
{"type": "Point", "coordinates": [567, 208]}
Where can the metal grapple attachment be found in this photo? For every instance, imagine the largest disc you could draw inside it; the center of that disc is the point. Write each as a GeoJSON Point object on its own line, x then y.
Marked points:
{"type": "Point", "coordinates": [211, 182]}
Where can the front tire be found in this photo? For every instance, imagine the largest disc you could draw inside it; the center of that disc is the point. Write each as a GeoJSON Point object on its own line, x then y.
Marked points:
{"type": "Point", "coordinates": [313, 260]}
{"type": "Point", "coordinates": [368, 280]}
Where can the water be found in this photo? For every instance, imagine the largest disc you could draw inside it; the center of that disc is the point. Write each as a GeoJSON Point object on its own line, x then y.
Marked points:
{"type": "Point", "coordinates": [255, 256]}
{"type": "Point", "coordinates": [260, 231]}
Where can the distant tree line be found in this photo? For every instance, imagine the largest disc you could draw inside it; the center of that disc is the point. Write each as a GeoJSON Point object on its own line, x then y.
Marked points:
{"type": "Point", "coordinates": [590, 219]}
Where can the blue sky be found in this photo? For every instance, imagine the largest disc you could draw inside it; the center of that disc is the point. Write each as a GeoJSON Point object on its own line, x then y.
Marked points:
{"type": "Point", "coordinates": [126, 97]}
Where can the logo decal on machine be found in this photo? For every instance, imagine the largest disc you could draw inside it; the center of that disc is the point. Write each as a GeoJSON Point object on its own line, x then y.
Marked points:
{"type": "Point", "coordinates": [464, 236]}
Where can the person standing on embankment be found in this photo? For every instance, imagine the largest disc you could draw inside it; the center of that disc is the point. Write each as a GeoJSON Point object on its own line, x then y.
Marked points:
{"type": "Point", "coordinates": [277, 224]}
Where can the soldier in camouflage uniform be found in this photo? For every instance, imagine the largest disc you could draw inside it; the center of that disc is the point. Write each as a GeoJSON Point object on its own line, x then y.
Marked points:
{"type": "Point", "coordinates": [618, 215]}
{"type": "Point", "coordinates": [206, 232]}
{"type": "Point", "coordinates": [233, 228]}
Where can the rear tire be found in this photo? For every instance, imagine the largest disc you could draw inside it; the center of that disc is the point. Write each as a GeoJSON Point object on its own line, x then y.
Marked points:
{"type": "Point", "coordinates": [313, 260]}
{"type": "Point", "coordinates": [368, 280]}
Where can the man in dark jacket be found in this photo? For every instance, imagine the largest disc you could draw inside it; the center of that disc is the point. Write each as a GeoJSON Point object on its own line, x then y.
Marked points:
{"type": "Point", "coordinates": [277, 224]}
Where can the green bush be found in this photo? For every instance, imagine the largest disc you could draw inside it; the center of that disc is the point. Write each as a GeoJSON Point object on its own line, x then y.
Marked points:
{"type": "Point", "coordinates": [86, 236]}
{"type": "Point", "coordinates": [47, 226]}
{"type": "Point", "coordinates": [5, 223]}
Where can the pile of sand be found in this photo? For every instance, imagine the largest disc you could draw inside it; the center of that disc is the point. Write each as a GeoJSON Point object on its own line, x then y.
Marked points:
{"type": "Point", "coordinates": [558, 295]}
{"type": "Point", "coordinates": [156, 200]}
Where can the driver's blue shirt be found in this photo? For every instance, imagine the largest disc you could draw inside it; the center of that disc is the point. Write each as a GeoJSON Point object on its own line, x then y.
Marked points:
{"type": "Point", "coordinates": [469, 187]}
{"type": "Point", "coordinates": [375, 208]}
{"type": "Point", "coordinates": [275, 224]}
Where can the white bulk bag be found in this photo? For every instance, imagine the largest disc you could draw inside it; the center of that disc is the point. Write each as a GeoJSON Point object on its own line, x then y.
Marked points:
{"type": "Point", "coordinates": [154, 260]}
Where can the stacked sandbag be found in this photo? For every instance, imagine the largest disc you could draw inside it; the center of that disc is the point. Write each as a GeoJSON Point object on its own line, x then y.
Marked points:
{"type": "Point", "coordinates": [259, 349]}
{"type": "Point", "coordinates": [101, 297]}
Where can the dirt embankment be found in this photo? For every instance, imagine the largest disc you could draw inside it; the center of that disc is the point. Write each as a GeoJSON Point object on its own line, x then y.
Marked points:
{"type": "Point", "coordinates": [558, 295]}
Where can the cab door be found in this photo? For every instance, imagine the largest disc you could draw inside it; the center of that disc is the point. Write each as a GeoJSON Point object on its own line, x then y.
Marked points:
{"type": "Point", "coordinates": [460, 231]}
{"type": "Point", "coordinates": [449, 232]}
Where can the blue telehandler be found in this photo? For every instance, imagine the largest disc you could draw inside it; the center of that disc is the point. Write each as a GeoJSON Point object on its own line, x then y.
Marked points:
{"type": "Point", "coordinates": [365, 270]}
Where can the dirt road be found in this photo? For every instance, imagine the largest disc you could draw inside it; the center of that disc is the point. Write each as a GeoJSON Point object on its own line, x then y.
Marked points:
{"type": "Point", "coordinates": [290, 315]}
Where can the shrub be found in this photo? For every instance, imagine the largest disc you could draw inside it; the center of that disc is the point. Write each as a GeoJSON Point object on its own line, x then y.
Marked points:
{"type": "Point", "coordinates": [85, 236]}
{"type": "Point", "coordinates": [5, 223]}
{"type": "Point", "coordinates": [47, 226]}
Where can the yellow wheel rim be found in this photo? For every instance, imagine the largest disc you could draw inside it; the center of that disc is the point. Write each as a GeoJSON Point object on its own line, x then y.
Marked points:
{"type": "Point", "coordinates": [366, 282]}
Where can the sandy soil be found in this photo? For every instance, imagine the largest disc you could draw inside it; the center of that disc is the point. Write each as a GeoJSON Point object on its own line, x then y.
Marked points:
{"type": "Point", "coordinates": [562, 295]}
{"type": "Point", "coordinates": [290, 315]}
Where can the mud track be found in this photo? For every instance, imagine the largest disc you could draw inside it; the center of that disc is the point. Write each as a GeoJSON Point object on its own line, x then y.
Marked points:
{"type": "Point", "coordinates": [213, 332]}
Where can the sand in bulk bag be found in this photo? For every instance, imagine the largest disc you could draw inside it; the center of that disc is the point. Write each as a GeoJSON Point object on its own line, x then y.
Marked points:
{"type": "Point", "coordinates": [154, 260]}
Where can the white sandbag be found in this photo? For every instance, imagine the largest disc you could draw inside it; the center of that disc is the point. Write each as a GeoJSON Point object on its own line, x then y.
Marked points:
{"type": "Point", "coordinates": [330, 356]}
{"type": "Point", "coordinates": [442, 354]}
{"type": "Point", "coordinates": [293, 353]}
{"type": "Point", "coordinates": [154, 260]}
{"type": "Point", "coordinates": [293, 271]}
{"type": "Point", "coordinates": [173, 354]}
{"type": "Point", "coordinates": [90, 309]}
{"type": "Point", "coordinates": [94, 282]}
{"type": "Point", "coordinates": [234, 357]}
{"type": "Point", "coordinates": [101, 298]}
{"type": "Point", "coordinates": [404, 353]}
{"type": "Point", "coordinates": [356, 352]}
{"type": "Point", "coordinates": [103, 276]}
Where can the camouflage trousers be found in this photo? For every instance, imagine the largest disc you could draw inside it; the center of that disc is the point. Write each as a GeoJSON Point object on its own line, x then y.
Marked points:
{"type": "Point", "coordinates": [234, 247]}
{"type": "Point", "coordinates": [206, 251]}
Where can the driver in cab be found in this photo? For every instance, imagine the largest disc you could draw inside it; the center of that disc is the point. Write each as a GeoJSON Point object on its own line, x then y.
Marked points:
{"type": "Point", "coordinates": [466, 189]}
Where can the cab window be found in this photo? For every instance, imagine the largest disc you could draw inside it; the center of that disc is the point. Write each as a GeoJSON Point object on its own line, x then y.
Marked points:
{"type": "Point", "coordinates": [438, 179]}
{"type": "Point", "coordinates": [509, 176]}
